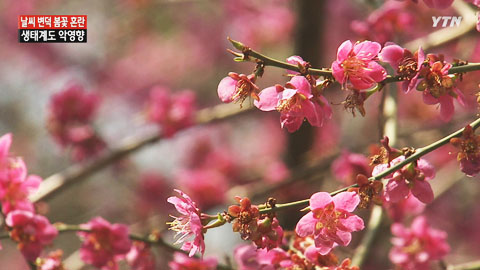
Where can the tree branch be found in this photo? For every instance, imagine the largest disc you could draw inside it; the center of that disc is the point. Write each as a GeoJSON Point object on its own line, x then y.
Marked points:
{"type": "Point", "coordinates": [74, 174]}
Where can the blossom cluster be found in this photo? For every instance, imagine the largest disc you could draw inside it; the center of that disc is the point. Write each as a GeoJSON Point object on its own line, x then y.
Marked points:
{"type": "Point", "coordinates": [30, 230]}
{"type": "Point", "coordinates": [359, 70]}
{"type": "Point", "coordinates": [70, 122]}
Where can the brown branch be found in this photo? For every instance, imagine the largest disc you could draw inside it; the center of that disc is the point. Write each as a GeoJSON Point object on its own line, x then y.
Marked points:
{"type": "Point", "coordinates": [78, 172]}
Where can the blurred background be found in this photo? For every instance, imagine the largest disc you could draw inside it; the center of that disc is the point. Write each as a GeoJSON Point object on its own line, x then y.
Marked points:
{"type": "Point", "coordinates": [136, 45]}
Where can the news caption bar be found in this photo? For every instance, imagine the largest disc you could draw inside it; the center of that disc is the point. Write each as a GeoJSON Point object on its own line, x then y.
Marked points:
{"type": "Point", "coordinates": [52, 28]}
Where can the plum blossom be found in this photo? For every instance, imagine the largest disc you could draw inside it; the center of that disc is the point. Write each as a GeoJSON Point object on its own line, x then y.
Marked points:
{"type": "Point", "coordinates": [263, 230]}
{"type": "Point", "coordinates": [383, 24]}
{"type": "Point", "coordinates": [348, 165]}
{"type": "Point", "coordinates": [182, 262]}
{"type": "Point", "coordinates": [295, 102]}
{"type": "Point", "coordinates": [70, 118]}
{"type": "Point", "coordinates": [140, 257]}
{"type": "Point", "coordinates": [415, 247]}
{"type": "Point", "coordinates": [32, 232]}
{"type": "Point", "coordinates": [406, 63]}
{"type": "Point", "coordinates": [15, 185]}
{"type": "Point", "coordinates": [237, 87]}
{"type": "Point", "coordinates": [172, 112]}
{"type": "Point", "coordinates": [297, 61]}
{"type": "Point", "coordinates": [52, 262]}
{"type": "Point", "coordinates": [408, 207]}
{"type": "Point", "coordinates": [188, 224]}
{"type": "Point", "coordinates": [249, 257]}
{"type": "Point", "coordinates": [104, 244]}
{"type": "Point", "coordinates": [205, 185]}
{"type": "Point", "coordinates": [330, 220]}
{"type": "Point", "coordinates": [412, 177]}
{"type": "Point", "coordinates": [356, 64]}
{"type": "Point", "coordinates": [469, 151]}
{"type": "Point", "coordinates": [439, 87]}
{"type": "Point", "coordinates": [438, 4]}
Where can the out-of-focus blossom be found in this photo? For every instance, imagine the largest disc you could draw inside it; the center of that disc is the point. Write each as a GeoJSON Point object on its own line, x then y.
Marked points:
{"type": "Point", "coordinates": [416, 247]}
{"type": "Point", "coordinates": [32, 232]}
{"type": "Point", "coordinates": [406, 64]}
{"type": "Point", "coordinates": [183, 262]}
{"type": "Point", "coordinates": [140, 257]}
{"type": "Point", "coordinates": [438, 4]}
{"type": "Point", "coordinates": [249, 257]}
{"type": "Point", "coordinates": [256, 24]}
{"type": "Point", "coordinates": [469, 151]}
{"type": "Point", "coordinates": [439, 87]}
{"type": "Point", "coordinates": [207, 187]}
{"type": "Point", "coordinates": [295, 102]}
{"type": "Point", "coordinates": [356, 65]}
{"type": "Point", "coordinates": [172, 112]}
{"type": "Point", "coordinates": [237, 87]}
{"type": "Point", "coordinates": [104, 244]}
{"type": "Point", "coordinates": [276, 172]}
{"type": "Point", "coordinates": [52, 262]}
{"type": "Point", "coordinates": [391, 19]}
{"type": "Point", "coordinates": [348, 165]}
{"type": "Point", "coordinates": [398, 211]}
{"type": "Point", "coordinates": [412, 177]}
{"type": "Point", "coordinates": [15, 185]}
{"type": "Point", "coordinates": [330, 220]}
{"type": "Point", "coordinates": [71, 114]}
{"type": "Point", "coordinates": [151, 193]}
{"type": "Point", "coordinates": [189, 224]}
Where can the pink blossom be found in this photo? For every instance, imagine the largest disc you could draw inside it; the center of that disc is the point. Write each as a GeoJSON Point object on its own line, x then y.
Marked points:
{"type": "Point", "coordinates": [405, 63]}
{"type": "Point", "coordinates": [237, 87]}
{"type": "Point", "coordinates": [385, 23]}
{"type": "Point", "coordinates": [205, 185]}
{"type": "Point", "coordinates": [410, 178]}
{"type": "Point", "coordinates": [297, 61]}
{"type": "Point", "coordinates": [151, 192]}
{"type": "Point", "coordinates": [249, 257]}
{"type": "Point", "coordinates": [70, 119]}
{"type": "Point", "coordinates": [402, 209]}
{"type": "Point", "coordinates": [183, 262]}
{"type": "Point", "coordinates": [295, 102]}
{"type": "Point", "coordinates": [32, 232]}
{"type": "Point", "coordinates": [438, 4]}
{"type": "Point", "coordinates": [140, 257]}
{"type": "Point", "coordinates": [172, 112]}
{"type": "Point", "coordinates": [348, 165]}
{"type": "Point", "coordinates": [416, 247]}
{"type": "Point", "coordinates": [104, 244]}
{"type": "Point", "coordinates": [188, 224]}
{"type": "Point", "coordinates": [15, 185]}
{"type": "Point", "coordinates": [330, 220]}
{"type": "Point", "coordinates": [52, 262]}
{"type": "Point", "coordinates": [439, 87]}
{"type": "Point", "coordinates": [356, 65]}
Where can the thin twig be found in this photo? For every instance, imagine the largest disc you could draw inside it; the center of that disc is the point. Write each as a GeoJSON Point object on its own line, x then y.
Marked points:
{"type": "Point", "coordinates": [418, 154]}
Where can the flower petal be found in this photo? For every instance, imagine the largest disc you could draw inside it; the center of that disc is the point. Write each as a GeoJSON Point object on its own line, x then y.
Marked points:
{"type": "Point", "coordinates": [269, 98]}
{"type": "Point", "coordinates": [423, 191]}
{"type": "Point", "coordinates": [306, 225]}
{"type": "Point", "coordinates": [320, 200]}
{"type": "Point", "coordinates": [347, 201]}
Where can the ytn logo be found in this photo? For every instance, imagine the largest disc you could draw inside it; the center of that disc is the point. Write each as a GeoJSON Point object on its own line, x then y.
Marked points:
{"type": "Point", "coordinates": [454, 21]}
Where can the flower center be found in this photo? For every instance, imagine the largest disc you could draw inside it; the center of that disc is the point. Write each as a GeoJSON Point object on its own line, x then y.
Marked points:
{"type": "Point", "coordinates": [291, 104]}
{"type": "Point", "coordinates": [354, 66]}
